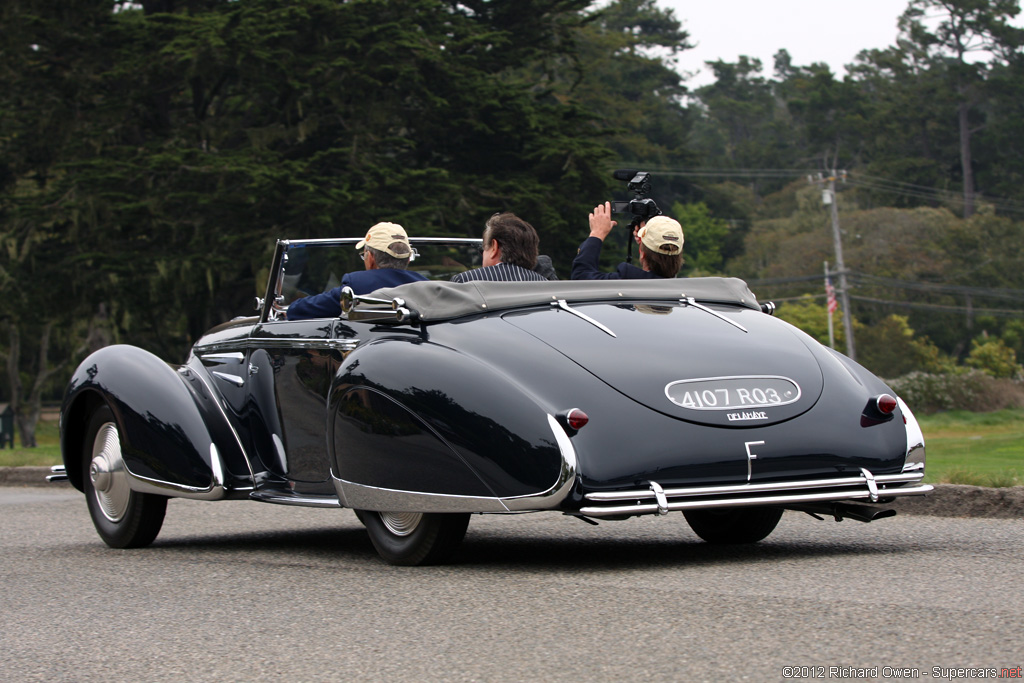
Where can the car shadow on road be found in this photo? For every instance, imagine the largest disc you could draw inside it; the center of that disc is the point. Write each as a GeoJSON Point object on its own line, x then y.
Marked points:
{"type": "Point", "coordinates": [617, 554]}
{"type": "Point", "coordinates": [517, 550]}
{"type": "Point", "coordinates": [277, 546]}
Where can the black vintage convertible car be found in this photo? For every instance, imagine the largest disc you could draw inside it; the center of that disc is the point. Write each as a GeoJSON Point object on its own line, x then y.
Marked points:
{"type": "Point", "coordinates": [424, 403]}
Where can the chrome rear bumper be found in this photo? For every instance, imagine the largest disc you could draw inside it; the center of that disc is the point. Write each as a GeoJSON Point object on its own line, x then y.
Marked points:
{"type": "Point", "coordinates": [658, 500]}
{"type": "Point", "coordinates": [57, 473]}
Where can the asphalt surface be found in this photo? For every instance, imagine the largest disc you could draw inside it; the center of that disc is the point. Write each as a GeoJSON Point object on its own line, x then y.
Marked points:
{"type": "Point", "coordinates": [244, 591]}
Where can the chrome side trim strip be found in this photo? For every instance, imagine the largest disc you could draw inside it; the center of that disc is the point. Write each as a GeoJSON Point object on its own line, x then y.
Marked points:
{"type": "Point", "coordinates": [235, 356]}
{"type": "Point", "coordinates": [916, 456]}
{"type": "Point", "coordinates": [303, 500]}
{"type": "Point", "coordinates": [234, 379]}
{"type": "Point", "coordinates": [215, 491]}
{"type": "Point", "coordinates": [303, 343]}
{"type": "Point", "coordinates": [362, 497]}
{"type": "Point", "coordinates": [257, 343]}
{"type": "Point", "coordinates": [781, 500]}
{"type": "Point", "coordinates": [215, 397]}
{"type": "Point", "coordinates": [554, 496]}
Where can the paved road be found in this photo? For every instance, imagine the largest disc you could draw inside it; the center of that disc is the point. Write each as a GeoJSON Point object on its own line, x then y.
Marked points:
{"type": "Point", "coordinates": [238, 591]}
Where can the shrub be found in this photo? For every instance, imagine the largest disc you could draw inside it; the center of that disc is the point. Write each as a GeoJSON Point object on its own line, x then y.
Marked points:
{"type": "Point", "coordinates": [972, 390]}
{"type": "Point", "coordinates": [889, 349]}
{"type": "Point", "coordinates": [995, 358]}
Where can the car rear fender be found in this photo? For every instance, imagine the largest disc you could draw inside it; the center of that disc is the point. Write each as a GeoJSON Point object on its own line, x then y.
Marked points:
{"type": "Point", "coordinates": [423, 417]}
{"type": "Point", "coordinates": [175, 438]}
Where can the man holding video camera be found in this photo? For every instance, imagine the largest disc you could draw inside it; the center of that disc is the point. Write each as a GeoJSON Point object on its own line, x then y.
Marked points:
{"type": "Point", "coordinates": [660, 241]}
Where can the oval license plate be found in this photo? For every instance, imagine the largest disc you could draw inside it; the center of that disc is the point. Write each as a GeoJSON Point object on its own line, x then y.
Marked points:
{"type": "Point", "coordinates": [733, 393]}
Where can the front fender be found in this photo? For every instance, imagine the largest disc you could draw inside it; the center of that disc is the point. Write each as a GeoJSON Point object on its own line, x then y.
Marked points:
{"type": "Point", "coordinates": [175, 440]}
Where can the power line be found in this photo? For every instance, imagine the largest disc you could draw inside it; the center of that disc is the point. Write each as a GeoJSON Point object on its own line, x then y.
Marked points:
{"type": "Point", "coordinates": [877, 281]}
{"type": "Point", "coordinates": [988, 292]}
{"type": "Point", "coordinates": [854, 179]}
{"type": "Point", "coordinates": [995, 312]}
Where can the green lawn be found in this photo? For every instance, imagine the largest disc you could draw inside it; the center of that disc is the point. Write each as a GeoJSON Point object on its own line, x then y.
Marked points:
{"type": "Point", "coordinates": [985, 449]}
{"type": "Point", "coordinates": [48, 452]}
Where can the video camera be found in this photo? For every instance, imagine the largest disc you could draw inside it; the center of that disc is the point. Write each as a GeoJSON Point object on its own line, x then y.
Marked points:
{"type": "Point", "coordinates": [641, 207]}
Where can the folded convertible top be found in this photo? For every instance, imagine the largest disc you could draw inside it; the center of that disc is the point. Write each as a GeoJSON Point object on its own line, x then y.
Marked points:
{"type": "Point", "coordinates": [434, 300]}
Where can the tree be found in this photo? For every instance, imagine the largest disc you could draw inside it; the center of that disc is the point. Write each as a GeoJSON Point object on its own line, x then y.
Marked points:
{"type": "Point", "coordinates": [812, 318]}
{"type": "Point", "coordinates": [703, 237]}
{"type": "Point", "coordinates": [151, 156]}
{"type": "Point", "coordinates": [889, 348]}
{"type": "Point", "coordinates": [622, 74]}
{"type": "Point", "coordinates": [965, 28]}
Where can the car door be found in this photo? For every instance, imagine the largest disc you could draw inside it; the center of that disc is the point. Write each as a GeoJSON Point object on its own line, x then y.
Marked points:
{"type": "Point", "coordinates": [291, 365]}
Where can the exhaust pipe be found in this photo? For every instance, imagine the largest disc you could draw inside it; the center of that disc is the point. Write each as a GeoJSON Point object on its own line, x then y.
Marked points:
{"type": "Point", "coordinates": [841, 511]}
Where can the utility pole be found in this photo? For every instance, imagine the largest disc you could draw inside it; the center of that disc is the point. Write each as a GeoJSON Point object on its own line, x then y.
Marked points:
{"type": "Point", "coordinates": [829, 197]}
{"type": "Point", "coordinates": [830, 300]}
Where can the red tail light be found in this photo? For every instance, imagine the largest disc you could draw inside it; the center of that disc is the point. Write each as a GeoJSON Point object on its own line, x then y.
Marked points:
{"type": "Point", "coordinates": [885, 403]}
{"type": "Point", "coordinates": [576, 419]}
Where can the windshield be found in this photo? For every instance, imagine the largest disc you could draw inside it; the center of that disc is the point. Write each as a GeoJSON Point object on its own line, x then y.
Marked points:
{"type": "Point", "coordinates": [314, 266]}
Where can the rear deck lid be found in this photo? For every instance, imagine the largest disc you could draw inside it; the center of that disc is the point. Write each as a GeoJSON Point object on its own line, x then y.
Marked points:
{"type": "Point", "coordinates": [714, 365]}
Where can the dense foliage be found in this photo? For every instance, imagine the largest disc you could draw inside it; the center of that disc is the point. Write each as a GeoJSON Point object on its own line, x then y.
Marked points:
{"type": "Point", "coordinates": [151, 152]}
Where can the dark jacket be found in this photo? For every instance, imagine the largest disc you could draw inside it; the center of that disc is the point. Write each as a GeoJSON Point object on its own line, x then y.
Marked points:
{"type": "Point", "coordinates": [328, 304]}
{"type": "Point", "coordinates": [585, 265]}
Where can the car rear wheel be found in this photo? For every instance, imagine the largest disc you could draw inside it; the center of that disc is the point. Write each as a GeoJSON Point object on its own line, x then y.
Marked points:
{"type": "Point", "coordinates": [122, 517]}
{"type": "Point", "coordinates": [414, 538]}
{"type": "Point", "coordinates": [733, 525]}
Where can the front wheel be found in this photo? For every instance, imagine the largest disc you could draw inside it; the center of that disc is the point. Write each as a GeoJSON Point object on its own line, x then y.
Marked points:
{"type": "Point", "coordinates": [414, 538]}
{"type": "Point", "coordinates": [122, 517]}
{"type": "Point", "coordinates": [733, 525]}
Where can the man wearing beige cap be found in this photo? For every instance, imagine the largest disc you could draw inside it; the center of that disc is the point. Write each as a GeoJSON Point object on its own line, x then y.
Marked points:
{"type": "Point", "coordinates": [661, 249]}
{"type": "Point", "coordinates": [385, 252]}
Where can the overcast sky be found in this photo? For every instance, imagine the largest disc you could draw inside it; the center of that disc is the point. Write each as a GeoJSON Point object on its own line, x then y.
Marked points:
{"type": "Point", "coordinates": [811, 30]}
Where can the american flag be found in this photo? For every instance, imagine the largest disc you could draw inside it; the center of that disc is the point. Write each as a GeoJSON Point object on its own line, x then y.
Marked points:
{"type": "Point", "coordinates": [830, 293]}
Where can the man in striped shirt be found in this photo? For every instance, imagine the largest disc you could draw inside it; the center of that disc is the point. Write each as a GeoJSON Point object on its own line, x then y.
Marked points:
{"type": "Point", "coordinates": [509, 252]}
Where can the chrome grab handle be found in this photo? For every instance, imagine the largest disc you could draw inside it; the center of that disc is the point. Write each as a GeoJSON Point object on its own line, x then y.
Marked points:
{"type": "Point", "coordinates": [399, 311]}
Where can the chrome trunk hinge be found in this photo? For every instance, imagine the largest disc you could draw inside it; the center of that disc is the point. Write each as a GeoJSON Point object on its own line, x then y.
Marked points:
{"type": "Point", "coordinates": [562, 304]}
{"type": "Point", "coordinates": [689, 301]}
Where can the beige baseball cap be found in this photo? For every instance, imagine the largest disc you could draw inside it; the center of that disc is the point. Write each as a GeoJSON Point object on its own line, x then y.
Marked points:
{"type": "Point", "coordinates": [389, 238]}
{"type": "Point", "coordinates": [662, 235]}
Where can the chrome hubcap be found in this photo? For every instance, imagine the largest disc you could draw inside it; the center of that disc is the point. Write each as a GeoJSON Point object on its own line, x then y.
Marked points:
{"type": "Point", "coordinates": [401, 523]}
{"type": "Point", "coordinates": [106, 471]}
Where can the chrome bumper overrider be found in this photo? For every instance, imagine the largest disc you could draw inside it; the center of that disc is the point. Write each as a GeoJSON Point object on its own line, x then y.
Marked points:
{"type": "Point", "coordinates": [659, 500]}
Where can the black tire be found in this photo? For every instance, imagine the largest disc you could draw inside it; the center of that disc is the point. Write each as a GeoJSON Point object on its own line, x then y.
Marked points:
{"type": "Point", "coordinates": [414, 538]}
{"type": "Point", "coordinates": [122, 517]}
{"type": "Point", "coordinates": [733, 525]}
